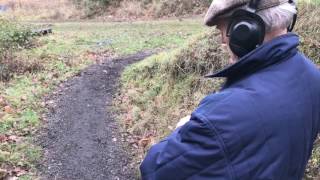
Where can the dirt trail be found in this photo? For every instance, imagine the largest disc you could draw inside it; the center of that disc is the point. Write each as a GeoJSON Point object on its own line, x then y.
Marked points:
{"type": "Point", "coordinates": [82, 139]}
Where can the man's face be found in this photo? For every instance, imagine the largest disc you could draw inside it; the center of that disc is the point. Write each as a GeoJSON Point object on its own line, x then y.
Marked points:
{"type": "Point", "coordinates": [222, 25]}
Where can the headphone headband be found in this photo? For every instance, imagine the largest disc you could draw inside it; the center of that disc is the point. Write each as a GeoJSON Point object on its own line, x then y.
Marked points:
{"type": "Point", "coordinates": [253, 4]}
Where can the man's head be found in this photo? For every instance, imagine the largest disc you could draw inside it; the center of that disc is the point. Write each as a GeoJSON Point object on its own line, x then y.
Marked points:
{"type": "Point", "coordinates": [277, 16]}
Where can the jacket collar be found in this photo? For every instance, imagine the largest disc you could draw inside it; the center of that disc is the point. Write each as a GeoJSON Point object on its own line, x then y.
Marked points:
{"type": "Point", "coordinates": [274, 51]}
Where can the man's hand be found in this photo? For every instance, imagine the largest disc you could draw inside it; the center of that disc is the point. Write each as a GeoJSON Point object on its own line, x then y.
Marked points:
{"type": "Point", "coordinates": [183, 121]}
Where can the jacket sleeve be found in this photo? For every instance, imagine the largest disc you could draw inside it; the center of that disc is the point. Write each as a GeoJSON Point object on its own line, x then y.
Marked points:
{"type": "Point", "coordinates": [187, 152]}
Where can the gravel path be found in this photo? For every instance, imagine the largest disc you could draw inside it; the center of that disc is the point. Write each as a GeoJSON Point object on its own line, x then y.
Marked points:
{"type": "Point", "coordinates": [82, 139]}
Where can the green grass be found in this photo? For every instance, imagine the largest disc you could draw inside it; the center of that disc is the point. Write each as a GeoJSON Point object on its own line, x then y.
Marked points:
{"type": "Point", "coordinates": [168, 86]}
{"type": "Point", "coordinates": [69, 49]}
{"type": "Point", "coordinates": [120, 38]}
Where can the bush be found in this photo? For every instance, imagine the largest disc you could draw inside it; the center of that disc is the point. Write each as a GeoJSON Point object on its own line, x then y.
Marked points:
{"type": "Point", "coordinates": [13, 37]}
{"type": "Point", "coordinates": [160, 8]}
{"type": "Point", "coordinates": [181, 7]}
{"type": "Point", "coordinates": [95, 7]}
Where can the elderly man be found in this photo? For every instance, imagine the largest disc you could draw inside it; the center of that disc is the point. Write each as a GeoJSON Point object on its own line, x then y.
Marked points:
{"type": "Point", "coordinates": [263, 122]}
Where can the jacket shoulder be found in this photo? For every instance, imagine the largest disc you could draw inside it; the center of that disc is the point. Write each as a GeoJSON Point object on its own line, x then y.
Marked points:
{"type": "Point", "coordinates": [230, 102]}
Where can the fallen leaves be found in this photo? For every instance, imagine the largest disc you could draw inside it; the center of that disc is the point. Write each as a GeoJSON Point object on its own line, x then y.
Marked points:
{"type": "Point", "coordinates": [9, 138]}
{"type": "Point", "coordinates": [145, 142]}
{"type": "Point", "coordinates": [12, 173]}
{"type": "Point", "coordinates": [24, 98]}
{"type": "Point", "coordinates": [5, 106]}
{"type": "Point", "coordinates": [2, 102]}
{"type": "Point", "coordinates": [8, 109]}
{"type": "Point", "coordinates": [140, 142]}
{"type": "Point", "coordinates": [2, 115]}
{"type": "Point", "coordinates": [10, 148]}
{"type": "Point", "coordinates": [3, 173]}
{"type": "Point", "coordinates": [18, 171]}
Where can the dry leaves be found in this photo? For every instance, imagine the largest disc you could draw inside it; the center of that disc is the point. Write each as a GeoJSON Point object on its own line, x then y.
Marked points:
{"type": "Point", "coordinates": [145, 142]}
{"type": "Point", "coordinates": [12, 173]}
{"type": "Point", "coordinates": [9, 138]}
{"type": "Point", "coordinates": [8, 109]}
{"type": "Point", "coordinates": [2, 115]}
{"type": "Point", "coordinates": [2, 102]}
{"type": "Point", "coordinates": [3, 173]}
{"type": "Point", "coordinates": [24, 98]}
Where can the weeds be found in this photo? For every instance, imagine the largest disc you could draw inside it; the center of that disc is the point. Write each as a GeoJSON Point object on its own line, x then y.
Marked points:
{"type": "Point", "coordinates": [26, 10]}
{"type": "Point", "coordinates": [169, 81]}
{"type": "Point", "coordinates": [14, 37]}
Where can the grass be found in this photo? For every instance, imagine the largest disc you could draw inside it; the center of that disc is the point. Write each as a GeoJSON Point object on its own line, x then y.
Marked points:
{"type": "Point", "coordinates": [40, 9]}
{"type": "Point", "coordinates": [72, 47]}
{"type": "Point", "coordinates": [35, 10]}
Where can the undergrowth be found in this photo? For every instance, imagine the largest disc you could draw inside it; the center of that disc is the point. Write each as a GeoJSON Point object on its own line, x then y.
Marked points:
{"type": "Point", "coordinates": [14, 37]}
{"type": "Point", "coordinates": [102, 9]}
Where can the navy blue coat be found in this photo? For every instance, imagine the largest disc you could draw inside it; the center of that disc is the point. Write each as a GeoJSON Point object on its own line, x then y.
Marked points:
{"type": "Point", "coordinates": [260, 126]}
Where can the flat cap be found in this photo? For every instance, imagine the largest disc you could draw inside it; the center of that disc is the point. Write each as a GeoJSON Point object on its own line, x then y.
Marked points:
{"type": "Point", "coordinates": [221, 7]}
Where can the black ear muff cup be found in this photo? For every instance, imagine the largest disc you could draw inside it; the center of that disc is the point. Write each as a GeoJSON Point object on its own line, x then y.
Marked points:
{"type": "Point", "coordinates": [246, 31]}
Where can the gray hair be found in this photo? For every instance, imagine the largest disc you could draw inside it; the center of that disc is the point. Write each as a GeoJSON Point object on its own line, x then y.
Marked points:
{"type": "Point", "coordinates": [279, 17]}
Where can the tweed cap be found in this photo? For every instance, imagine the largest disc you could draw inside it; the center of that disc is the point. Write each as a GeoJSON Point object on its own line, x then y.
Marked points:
{"type": "Point", "coordinates": [221, 7]}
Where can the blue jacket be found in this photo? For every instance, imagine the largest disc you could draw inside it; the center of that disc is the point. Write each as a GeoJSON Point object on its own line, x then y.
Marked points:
{"type": "Point", "coordinates": [260, 126]}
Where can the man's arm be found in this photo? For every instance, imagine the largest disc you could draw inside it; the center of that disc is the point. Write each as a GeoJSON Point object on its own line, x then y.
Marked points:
{"type": "Point", "coordinates": [188, 151]}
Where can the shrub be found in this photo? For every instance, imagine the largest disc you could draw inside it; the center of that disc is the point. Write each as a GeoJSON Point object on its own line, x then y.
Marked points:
{"type": "Point", "coordinates": [180, 7]}
{"type": "Point", "coordinates": [160, 8]}
{"type": "Point", "coordinates": [13, 37]}
{"type": "Point", "coordinates": [95, 7]}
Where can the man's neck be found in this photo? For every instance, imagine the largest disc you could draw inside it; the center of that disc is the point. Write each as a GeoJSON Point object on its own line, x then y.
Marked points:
{"type": "Point", "coordinates": [273, 34]}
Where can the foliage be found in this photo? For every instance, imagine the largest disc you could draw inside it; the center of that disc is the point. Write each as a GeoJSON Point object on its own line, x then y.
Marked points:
{"type": "Point", "coordinates": [94, 7]}
{"type": "Point", "coordinates": [140, 8]}
{"type": "Point", "coordinates": [308, 27]}
{"type": "Point", "coordinates": [168, 86]}
{"type": "Point", "coordinates": [13, 37]}
{"type": "Point", "coordinates": [180, 7]}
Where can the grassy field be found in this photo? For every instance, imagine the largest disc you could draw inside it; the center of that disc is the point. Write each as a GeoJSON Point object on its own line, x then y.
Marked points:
{"type": "Point", "coordinates": [71, 47]}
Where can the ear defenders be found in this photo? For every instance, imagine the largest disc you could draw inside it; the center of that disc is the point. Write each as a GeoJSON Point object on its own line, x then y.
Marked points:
{"type": "Point", "coordinates": [246, 30]}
